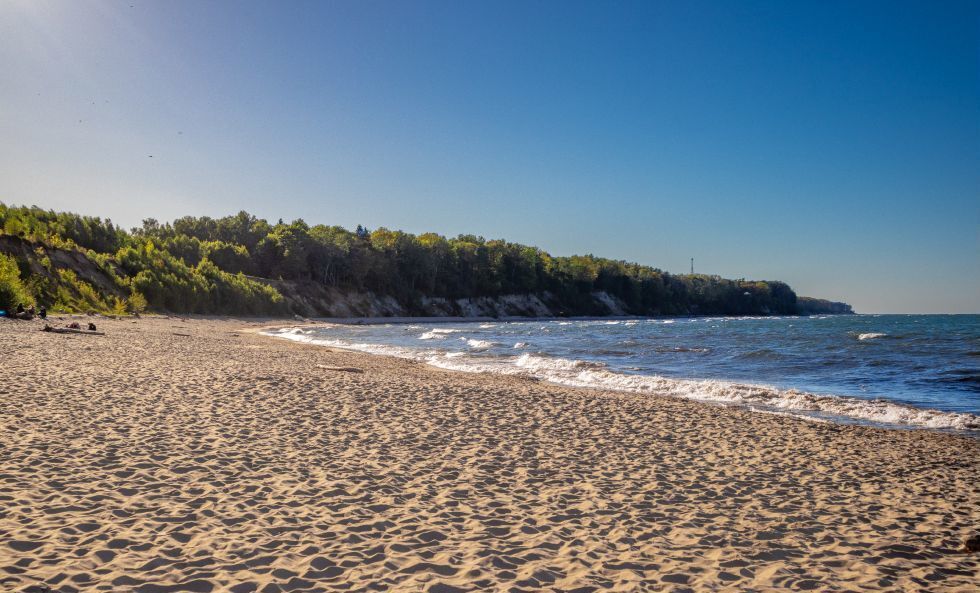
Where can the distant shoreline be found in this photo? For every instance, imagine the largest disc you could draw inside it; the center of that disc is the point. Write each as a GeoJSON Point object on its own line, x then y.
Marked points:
{"type": "Point", "coordinates": [517, 318]}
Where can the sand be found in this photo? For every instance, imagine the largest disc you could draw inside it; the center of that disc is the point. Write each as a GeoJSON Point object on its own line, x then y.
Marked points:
{"type": "Point", "coordinates": [173, 455]}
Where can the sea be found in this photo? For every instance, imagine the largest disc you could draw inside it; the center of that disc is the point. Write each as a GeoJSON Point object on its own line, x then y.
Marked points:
{"type": "Point", "coordinates": [898, 371]}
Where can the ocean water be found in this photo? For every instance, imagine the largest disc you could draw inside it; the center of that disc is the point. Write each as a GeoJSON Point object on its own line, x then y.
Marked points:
{"type": "Point", "coordinates": [911, 371]}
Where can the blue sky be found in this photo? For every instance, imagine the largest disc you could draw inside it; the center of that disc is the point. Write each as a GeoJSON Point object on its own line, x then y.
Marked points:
{"type": "Point", "coordinates": [834, 145]}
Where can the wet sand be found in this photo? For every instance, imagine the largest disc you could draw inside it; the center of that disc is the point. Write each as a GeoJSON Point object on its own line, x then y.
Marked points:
{"type": "Point", "coordinates": [197, 455]}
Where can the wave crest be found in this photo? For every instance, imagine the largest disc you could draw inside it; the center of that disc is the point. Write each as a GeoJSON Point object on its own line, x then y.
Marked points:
{"type": "Point", "coordinates": [871, 336]}
{"type": "Point", "coordinates": [437, 333]}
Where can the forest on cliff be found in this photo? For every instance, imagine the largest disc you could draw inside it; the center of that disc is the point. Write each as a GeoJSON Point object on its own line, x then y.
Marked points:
{"type": "Point", "coordinates": [242, 264]}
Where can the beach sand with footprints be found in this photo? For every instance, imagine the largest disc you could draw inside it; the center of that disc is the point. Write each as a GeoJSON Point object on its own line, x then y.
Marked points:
{"type": "Point", "coordinates": [197, 455]}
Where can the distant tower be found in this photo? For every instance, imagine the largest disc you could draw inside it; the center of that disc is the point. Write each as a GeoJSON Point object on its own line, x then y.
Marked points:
{"type": "Point", "coordinates": [692, 266]}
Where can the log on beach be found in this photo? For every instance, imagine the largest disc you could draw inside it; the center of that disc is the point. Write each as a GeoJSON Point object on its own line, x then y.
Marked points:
{"type": "Point", "coordinates": [339, 369]}
{"type": "Point", "coordinates": [71, 330]}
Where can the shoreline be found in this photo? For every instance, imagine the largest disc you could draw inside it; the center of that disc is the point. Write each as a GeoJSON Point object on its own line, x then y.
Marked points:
{"type": "Point", "coordinates": [196, 454]}
{"type": "Point", "coordinates": [592, 390]}
{"type": "Point", "coordinates": [834, 408]}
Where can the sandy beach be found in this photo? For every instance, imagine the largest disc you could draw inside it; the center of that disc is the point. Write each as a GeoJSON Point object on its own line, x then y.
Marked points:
{"type": "Point", "coordinates": [197, 455]}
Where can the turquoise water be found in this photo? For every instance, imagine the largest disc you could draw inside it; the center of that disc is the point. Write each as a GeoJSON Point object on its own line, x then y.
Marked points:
{"type": "Point", "coordinates": [894, 370]}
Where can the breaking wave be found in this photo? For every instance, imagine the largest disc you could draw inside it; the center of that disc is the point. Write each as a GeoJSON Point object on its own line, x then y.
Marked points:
{"type": "Point", "coordinates": [871, 336]}
{"type": "Point", "coordinates": [664, 350]}
{"type": "Point", "coordinates": [437, 334]}
{"type": "Point", "coordinates": [310, 336]}
{"type": "Point", "coordinates": [577, 373]}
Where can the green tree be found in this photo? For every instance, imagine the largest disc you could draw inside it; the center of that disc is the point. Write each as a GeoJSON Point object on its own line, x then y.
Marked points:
{"type": "Point", "coordinates": [12, 289]}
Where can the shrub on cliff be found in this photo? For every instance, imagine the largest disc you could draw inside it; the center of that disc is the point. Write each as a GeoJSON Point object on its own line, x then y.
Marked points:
{"type": "Point", "coordinates": [12, 289]}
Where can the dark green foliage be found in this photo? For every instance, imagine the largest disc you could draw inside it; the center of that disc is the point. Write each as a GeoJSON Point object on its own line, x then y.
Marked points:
{"type": "Point", "coordinates": [199, 264]}
{"type": "Point", "coordinates": [157, 266]}
{"type": "Point", "coordinates": [812, 306]}
{"type": "Point", "coordinates": [185, 248]}
{"type": "Point", "coordinates": [171, 284]}
{"type": "Point", "coordinates": [13, 292]}
{"type": "Point", "coordinates": [228, 256]}
{"type": "Point", "coordinates": [84, 231]}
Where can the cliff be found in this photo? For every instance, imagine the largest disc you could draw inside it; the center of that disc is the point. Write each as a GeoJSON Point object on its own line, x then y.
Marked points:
{"type": "Point", "coordinates": [243, 265]}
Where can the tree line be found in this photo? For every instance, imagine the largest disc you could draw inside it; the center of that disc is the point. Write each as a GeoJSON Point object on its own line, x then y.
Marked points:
{"type": "Point", "coordinates": [224, 265]}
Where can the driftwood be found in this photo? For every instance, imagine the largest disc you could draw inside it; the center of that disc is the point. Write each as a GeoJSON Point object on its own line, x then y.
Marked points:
{"type": "Point", "coordinates": [71, 330]}
{"type": "Point", "coordinates": [340, 369]}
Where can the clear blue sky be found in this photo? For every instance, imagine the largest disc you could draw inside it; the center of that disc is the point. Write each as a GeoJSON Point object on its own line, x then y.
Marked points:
{"type": "Point", "coordinates": [834, 145]}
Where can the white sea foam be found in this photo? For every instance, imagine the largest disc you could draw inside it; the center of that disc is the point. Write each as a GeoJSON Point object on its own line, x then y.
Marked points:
{"type": "Point", "coordinates": [538, 362]}
{"type": "Point", "coordinates": [308, 336]}
{"type": "Point", "coordinates": [478, 344]}
{"type": "Point", "coordinates": [792, 415]}
{"type": "Point", "coordinates": [871, 336]}
{"type": "Point", "coordinates": [437, 333]}
{"type": "Point", "coordinates": [680, 349]}
{"type": "Point", "coordinates": [579, 373]}
{"type": "Point", "coordinates": [520, 345]}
